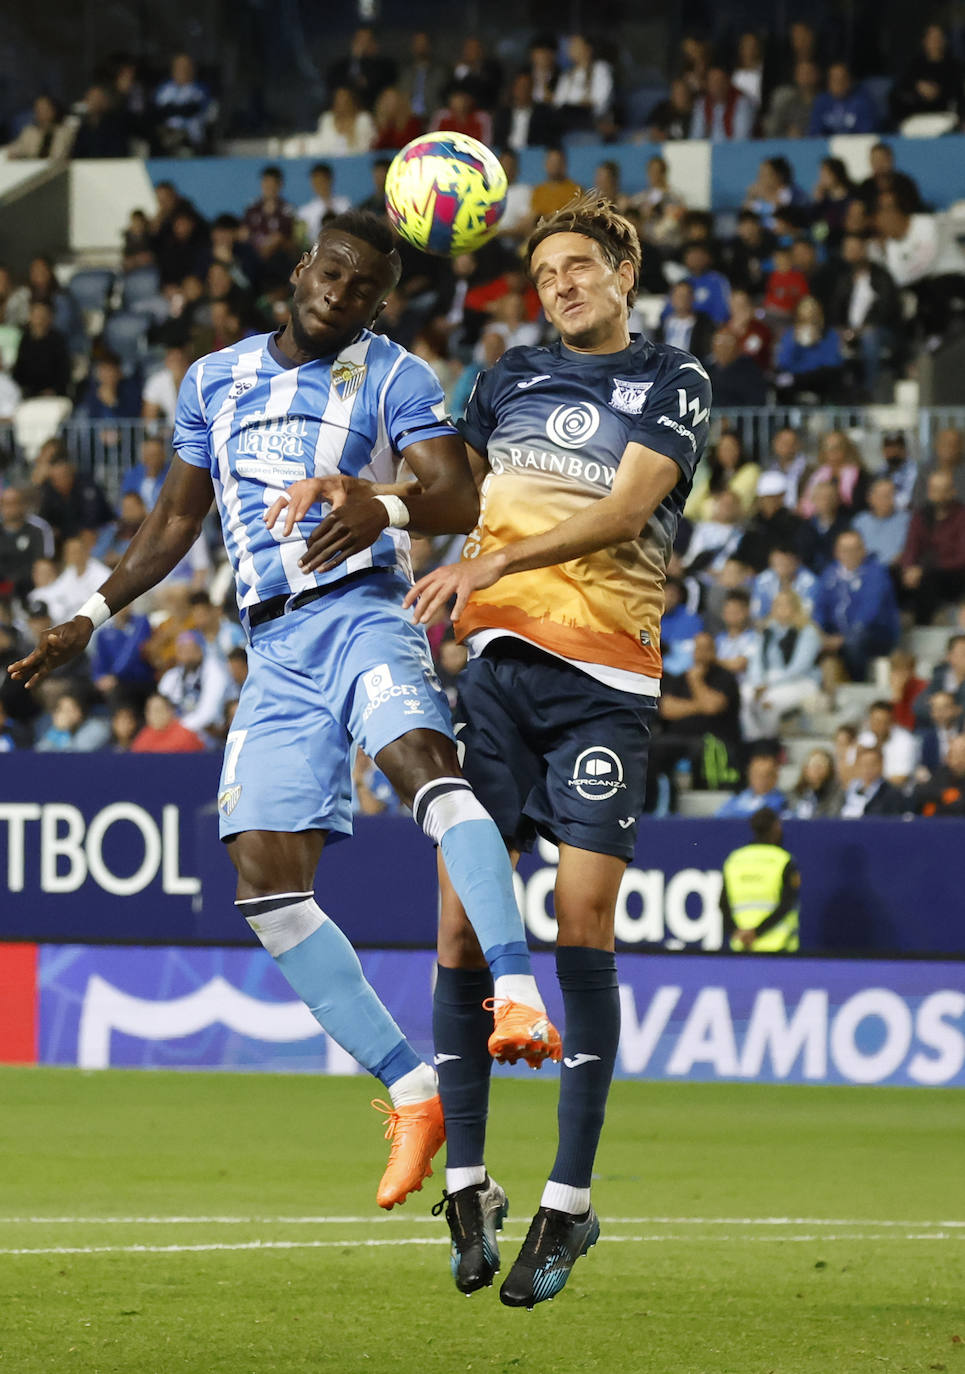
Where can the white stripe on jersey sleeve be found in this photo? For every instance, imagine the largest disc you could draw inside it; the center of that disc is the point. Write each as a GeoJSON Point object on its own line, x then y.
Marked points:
{"type": "Point", "coordinates": [246, 576]}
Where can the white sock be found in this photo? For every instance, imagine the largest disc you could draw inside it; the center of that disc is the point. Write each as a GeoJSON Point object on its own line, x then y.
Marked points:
{"type": "Point", "coordinates": [418, 1085]}
{"type": "Point", "coordinates": [562, 1198]}
{"type": "Point", "coordinates": [518, 987]}
{"type": "Point", "coordinates": [457, 1179]}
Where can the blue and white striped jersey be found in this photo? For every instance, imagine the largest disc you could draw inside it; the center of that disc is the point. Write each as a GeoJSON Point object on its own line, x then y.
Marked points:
{"type": "Point", "coordinates": [257, 423]}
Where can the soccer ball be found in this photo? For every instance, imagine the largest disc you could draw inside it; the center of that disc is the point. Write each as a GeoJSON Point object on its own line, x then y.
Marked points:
{"type": "Point", "coordinates": [445, 193]}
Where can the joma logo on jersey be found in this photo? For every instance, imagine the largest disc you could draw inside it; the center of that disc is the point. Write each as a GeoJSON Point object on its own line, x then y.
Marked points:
{"type": "Point", "coordinates": [273, 438]}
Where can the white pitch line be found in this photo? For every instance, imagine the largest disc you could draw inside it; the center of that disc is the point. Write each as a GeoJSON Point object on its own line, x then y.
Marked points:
{"type": "Point", "coordinates": [401, 1219]}
{"type": "Point", "coordinates": [436, 1240]}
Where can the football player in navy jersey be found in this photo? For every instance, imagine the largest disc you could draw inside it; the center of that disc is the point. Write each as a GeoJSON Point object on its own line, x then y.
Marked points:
{"type": "Point", "coordinates": [332, 655]}
{"type": "Point", "coordinates": [585, 452]}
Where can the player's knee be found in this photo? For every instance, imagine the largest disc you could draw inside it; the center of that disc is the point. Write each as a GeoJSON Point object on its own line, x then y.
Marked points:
{"type": "Point", "coordinates": [588, 922]}
{"type": "Point", "coordinates": [420, 757]}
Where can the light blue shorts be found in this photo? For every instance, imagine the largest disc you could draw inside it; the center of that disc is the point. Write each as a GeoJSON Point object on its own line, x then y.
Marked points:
{"type": "Point", "coordinates": [350, 666]}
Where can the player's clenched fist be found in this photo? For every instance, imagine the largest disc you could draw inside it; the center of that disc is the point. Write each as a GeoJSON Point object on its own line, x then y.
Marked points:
{"type": "Point", "coordinates": [56, 647]}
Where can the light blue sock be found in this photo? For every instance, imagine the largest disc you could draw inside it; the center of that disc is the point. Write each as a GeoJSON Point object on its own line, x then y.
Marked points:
{"type": "Point", "coordinates": [449, 812]}
{"type": "Point", "coordinates": [324, 970]}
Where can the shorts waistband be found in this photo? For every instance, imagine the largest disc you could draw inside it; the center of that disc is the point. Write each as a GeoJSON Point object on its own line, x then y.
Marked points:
{"type": "Point", "coordinates": [276, 606]}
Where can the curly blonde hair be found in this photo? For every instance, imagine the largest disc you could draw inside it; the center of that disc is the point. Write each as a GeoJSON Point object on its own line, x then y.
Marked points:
{"type": "Point", "coordinates": [597, 218]}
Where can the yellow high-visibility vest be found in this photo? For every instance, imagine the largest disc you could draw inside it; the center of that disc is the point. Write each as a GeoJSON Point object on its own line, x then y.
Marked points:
{"type": "Point", "coordinates": [753, 879]}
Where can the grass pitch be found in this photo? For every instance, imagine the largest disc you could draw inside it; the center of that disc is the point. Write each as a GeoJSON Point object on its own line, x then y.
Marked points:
{"type": "Point", "coordinates": [161, 1222]}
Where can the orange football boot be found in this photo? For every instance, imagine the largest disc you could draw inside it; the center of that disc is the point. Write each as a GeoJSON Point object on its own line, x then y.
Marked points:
{"type": "Point", "coordinates": [522, 1032]}
{"type": "Point", "coordinates": [416, 1132]}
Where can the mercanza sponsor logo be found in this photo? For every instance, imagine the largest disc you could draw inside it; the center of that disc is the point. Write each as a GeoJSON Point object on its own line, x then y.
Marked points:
{"type": "Point", "coordinates": [597, 774]}
{"type": "Point", "coordinates": [279, 438]}
{"type": "Point", "coordinates": [678, 428]}
{"type": "Point", "coordinates": [562, 464]}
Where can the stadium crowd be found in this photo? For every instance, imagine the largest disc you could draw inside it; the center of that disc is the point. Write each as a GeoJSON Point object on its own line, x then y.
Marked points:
{"type": "Point", "coordinates": [799, 568]}
{"type": "Point", "coordinates": [767, 82]}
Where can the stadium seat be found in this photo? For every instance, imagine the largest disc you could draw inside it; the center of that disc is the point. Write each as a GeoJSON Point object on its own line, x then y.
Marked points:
{"type": "Point", "coordinates": [929, 125]}
{"type": "Point", "coordinates": [126, 335]}
{"type": "Point", "coordinates": [929, 643]}
{"type": "Point", "coordinates": [798, 748]}
{"type": "Point", "coordinates": [90, 287]}
{"type": "Point", "coordinates": [701, 803]}
{"type": "Point", "coordinates": [140, 288]}
{"type": "Point", "coordinates": [37, 420]}
{"type": "Point", "coordinates": [854, 698]}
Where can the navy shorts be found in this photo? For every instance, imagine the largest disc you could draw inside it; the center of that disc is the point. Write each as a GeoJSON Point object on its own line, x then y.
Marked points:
{"type": "Point", "coordinates": [551, 751]}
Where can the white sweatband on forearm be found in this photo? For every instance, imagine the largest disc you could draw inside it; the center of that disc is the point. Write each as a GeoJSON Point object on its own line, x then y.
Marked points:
{"type": "Point", "coordinates": [397, 510]}
{"type": "Point", "coordinates": [96, 610]}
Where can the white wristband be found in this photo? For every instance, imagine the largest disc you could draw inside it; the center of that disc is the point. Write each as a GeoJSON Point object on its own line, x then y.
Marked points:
{"type": "Point", "coordinates": [397, 510]}
{"type": "Point", "coordinates": [96, 610]}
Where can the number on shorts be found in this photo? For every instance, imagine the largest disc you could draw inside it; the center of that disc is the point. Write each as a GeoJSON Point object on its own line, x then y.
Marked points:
{"type": "Point", "coordinates": [236, 739]}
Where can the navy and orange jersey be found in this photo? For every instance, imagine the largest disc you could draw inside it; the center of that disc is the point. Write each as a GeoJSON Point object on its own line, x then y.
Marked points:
{"type": "Point", "coordinates": [554, 425]}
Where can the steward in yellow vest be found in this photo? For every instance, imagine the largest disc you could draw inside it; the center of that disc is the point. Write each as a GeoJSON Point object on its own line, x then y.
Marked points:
{"type": "Point", "coordinates": [759, 898]}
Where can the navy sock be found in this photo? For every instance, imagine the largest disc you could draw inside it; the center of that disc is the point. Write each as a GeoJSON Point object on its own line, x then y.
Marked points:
{"type": "Point", "coordinates": [591, 1002]}
{"type": "Point", "coordinates": [461, 1029]}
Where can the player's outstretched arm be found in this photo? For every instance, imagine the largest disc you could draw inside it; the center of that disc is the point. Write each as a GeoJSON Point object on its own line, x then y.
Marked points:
{"type": "Point", "coordinates": [159, 545]}
{"type": "Point", "coordinates": [644, 478]}
{"type": "Point", "coordinates": [443, 500]}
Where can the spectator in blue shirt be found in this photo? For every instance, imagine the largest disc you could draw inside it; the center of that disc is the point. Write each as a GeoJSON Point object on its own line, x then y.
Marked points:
{"type": "Point", "coordinates": [883, 528]}
{"type": "Point", "coordinates": [113, 539]}
{"type": "Point", "coordinates": [843, 108]}
{"type": "Point", "coordinates": [117, 661]}
{"type": "Point", "coordinates": [809, 360]}
{"type": "Point", "coordinates": [711, 288]}
{"type": "Point", "coordinates": [146, 478]}
{"type": "Point", "coordinates": [761, 790]}
{"type": "Point", "coordinates": [855, 606]}
{"type": "Point", "coordinates": [784, 572]}
{"type": "Point", "coordinates": [185, 110]}
{"type": "Point", "coordinates": [110, 395]}
{"type": "Point", "coordinates": [678, 628]}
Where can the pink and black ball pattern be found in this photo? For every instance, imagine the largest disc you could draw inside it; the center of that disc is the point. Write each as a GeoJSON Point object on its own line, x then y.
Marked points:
{"type": "Point", "coordinates": [445, 193]}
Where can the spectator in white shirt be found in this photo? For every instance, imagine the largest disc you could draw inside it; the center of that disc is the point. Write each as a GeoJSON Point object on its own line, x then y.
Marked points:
{"type": "Point", "coordinates": [783, 674]}
{"type": "Point", "coordinates": [323, 203]}
{"type": "Point", "coordinates": [739, 642]}
{"type": "Point", "coordinates": [198, 685]}
{"type": "Point", "coordinates": [80, 579]}
{"type": "Point", "coordinates": [898, 746]}
{"type": "Point", "coordinates": [517, 218]}
{"type": "Point", "coordinates": [921, 256]}
{"type": "Point", "coordinates": [716, 540]}
{"type": "Point", "coordinates": [584, 92]}
{"type": "Point", "coordinates": [159, 399]}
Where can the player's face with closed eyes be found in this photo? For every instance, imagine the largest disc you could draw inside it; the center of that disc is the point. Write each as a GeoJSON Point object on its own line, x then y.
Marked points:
{"type": "Point", "coordinates": [340, 287]}
{"type": "Point", "coordinates": [582, 295]}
